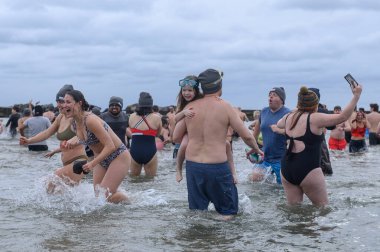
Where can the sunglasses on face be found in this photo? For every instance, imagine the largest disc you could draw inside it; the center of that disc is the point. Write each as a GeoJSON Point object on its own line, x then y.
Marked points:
{"type": "Point", "coordinates": [188, 82]}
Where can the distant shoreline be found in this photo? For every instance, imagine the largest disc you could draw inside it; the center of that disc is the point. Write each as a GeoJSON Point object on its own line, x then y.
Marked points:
{"type": "Point", "coordinates": [6, 111]}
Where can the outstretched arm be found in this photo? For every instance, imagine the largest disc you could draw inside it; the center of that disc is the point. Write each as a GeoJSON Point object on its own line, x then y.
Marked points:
{"type": "Point", "coordinates": [325, 120]}
{"type": "Point", "coordinates": [44, 134]}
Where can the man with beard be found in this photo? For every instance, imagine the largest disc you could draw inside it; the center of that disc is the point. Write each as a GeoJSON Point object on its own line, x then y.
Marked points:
{"type": "Point", "coordinates": [117, 119]}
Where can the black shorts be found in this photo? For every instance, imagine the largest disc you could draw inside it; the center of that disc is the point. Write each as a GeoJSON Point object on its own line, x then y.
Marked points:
{"type": "Point", "coordinates": [38, 147]}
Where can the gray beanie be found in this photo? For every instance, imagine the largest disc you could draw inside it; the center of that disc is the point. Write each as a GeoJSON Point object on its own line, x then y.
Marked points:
{"type": "Point", "coordinates": [280, 91]}
{"type": "Point", "coordinates": [145, 100]}
{"type": "Point", "coordinates": [116, 100]}
{"type": "Point", "coordinates": [211, 81]}
{"type": "Point", "coordinates": [61, 93]}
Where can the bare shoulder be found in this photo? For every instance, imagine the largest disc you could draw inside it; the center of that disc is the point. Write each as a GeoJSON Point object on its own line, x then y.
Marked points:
{"type": "Point", "coordinates": [155, 117]}
{"type": "Point", "coordinates": [93, 120]}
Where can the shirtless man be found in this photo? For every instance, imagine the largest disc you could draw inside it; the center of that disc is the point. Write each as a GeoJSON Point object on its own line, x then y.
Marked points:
{"type": "Point", "coordinates": [337, 139]}
{"type": "Point", "coordinates": [374, 119]}
{"type": "Point", "coordinates": [49, 113]}
{"type": "Point", "coordinates": [243, 116]}
{"type": "Point", "coordinates": [208, 175]}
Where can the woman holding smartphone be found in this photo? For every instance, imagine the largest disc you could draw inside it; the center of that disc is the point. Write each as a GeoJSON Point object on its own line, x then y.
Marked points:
{"type": "Point", "coordinates": [300, 167]}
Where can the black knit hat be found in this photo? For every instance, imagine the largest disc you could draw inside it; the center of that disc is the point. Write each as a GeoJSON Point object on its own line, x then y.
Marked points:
{"type": "Point", "coordinates": [211, 81]}
{"type": "Point", "coordinates": [145, 100]}
{"type": "Point", "coordinates": [116, 100]}
{"type": "Point", "coordinates": [61, 93]}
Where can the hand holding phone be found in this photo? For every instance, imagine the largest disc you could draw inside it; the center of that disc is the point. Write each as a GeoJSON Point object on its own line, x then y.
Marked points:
{"type": "Point", "coordinates": [353, 83]}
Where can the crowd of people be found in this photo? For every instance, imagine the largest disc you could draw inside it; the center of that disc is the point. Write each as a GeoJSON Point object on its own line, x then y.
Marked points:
{"type": "Point", "coordinates": [114, 144]}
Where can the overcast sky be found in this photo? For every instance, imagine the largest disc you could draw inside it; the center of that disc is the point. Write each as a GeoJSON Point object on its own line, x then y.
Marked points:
{"type": "Point", "coordinates": [123, 47]}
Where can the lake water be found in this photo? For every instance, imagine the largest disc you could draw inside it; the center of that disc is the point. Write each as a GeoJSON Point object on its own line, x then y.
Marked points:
{"type": "Point", "coordinates": [158, 218]}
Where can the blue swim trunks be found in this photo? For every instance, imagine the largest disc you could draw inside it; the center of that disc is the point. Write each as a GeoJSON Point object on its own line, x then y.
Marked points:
{"type": "Point", "coordinates": [276, 169]}
{"type": "Point", "coordinates": [211, 183]}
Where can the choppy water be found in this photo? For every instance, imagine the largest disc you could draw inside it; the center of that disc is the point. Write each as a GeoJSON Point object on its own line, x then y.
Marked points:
{"type": "Point", "coordinates": [158, 218]}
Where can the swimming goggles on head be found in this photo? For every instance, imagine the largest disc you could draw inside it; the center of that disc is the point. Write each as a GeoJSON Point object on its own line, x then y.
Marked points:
{"type": "Point", "coordinates": [188, 82]}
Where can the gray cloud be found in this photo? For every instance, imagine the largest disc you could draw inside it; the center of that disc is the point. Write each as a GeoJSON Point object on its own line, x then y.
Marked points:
{"type": "Point", "coordinates": [121, 48]}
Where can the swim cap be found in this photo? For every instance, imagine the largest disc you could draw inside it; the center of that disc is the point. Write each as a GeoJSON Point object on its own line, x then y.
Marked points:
{"type": "Point", "coordinates": [211, 81]}
{"type": "Point", "coordinates": [280, 91]}
{"type": "Point", "coordinates": [307, 99]}
{"type": "Point", "coordinates": [145, 100]}
{"type": "Point", "coordinates": [116, 100]}
{"type": "Point", "coordinates": [61, 93]}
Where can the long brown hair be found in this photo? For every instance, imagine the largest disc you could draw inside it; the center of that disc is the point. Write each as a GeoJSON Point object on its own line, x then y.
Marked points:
{"type": "Point", "coordinates": [181, 102]}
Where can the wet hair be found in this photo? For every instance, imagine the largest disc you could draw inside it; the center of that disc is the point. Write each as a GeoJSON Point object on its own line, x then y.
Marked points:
{"type": "Point", "coordinates": [181, 102]}
{"type": "Point", "coordinates": [79, 97]}
{"type": "Point", "coordinates": [164, 120]}
{"type": "Point", "coordinates": [155, 108]}
{"type": "Point", "coordinates": [374, 106]}
{"type": "Point", "coordinates": [141, 111]}
{"type": "Point", "coordinates": [50, 107]}
{"type": "Point", "coordinates": [16, 108]}
{"type": "Point", "coordinates": [360, 113]}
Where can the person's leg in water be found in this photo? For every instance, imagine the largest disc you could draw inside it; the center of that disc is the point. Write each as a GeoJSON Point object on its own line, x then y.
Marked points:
{"type": "Point", "coordinates": [175, 151]}
{"type": "Point", "coordinates": [108, 180]}
{"type": "Point", "coordinates": [67, 176]}
{"type": "Point", "coordinates": [181, 158]}
{"type": "Point", "coordinates": [230, 160]}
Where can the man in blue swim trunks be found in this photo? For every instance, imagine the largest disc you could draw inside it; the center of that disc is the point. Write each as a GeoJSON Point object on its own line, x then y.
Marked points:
{"type": "Point", "coordinates": [274, 140]}
{"type": "Point", "coordinates": [208, 175]}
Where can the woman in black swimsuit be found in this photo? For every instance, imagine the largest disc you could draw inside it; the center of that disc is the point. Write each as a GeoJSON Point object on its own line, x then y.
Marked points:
{"type": "Point", "coordinates": [301, 172]}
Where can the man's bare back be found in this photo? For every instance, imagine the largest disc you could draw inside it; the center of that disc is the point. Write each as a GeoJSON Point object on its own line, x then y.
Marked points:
{"type": "Point", "coordinates": [207, 130]}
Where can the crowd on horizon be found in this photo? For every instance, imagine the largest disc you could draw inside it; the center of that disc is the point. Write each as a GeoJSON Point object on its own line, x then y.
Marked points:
{"type": "Point", "coordinates": [112, 144]}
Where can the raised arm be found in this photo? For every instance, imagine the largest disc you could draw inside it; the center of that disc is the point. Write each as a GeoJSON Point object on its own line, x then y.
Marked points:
{"type": "Point", "coordinates": [44, 134]}
{"type": "Point", "coordinates": [325, 120]}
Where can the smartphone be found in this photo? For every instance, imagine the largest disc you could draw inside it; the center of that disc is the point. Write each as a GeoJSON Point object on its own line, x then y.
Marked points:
{"type": "Point", "coordinates": [353, 83]}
